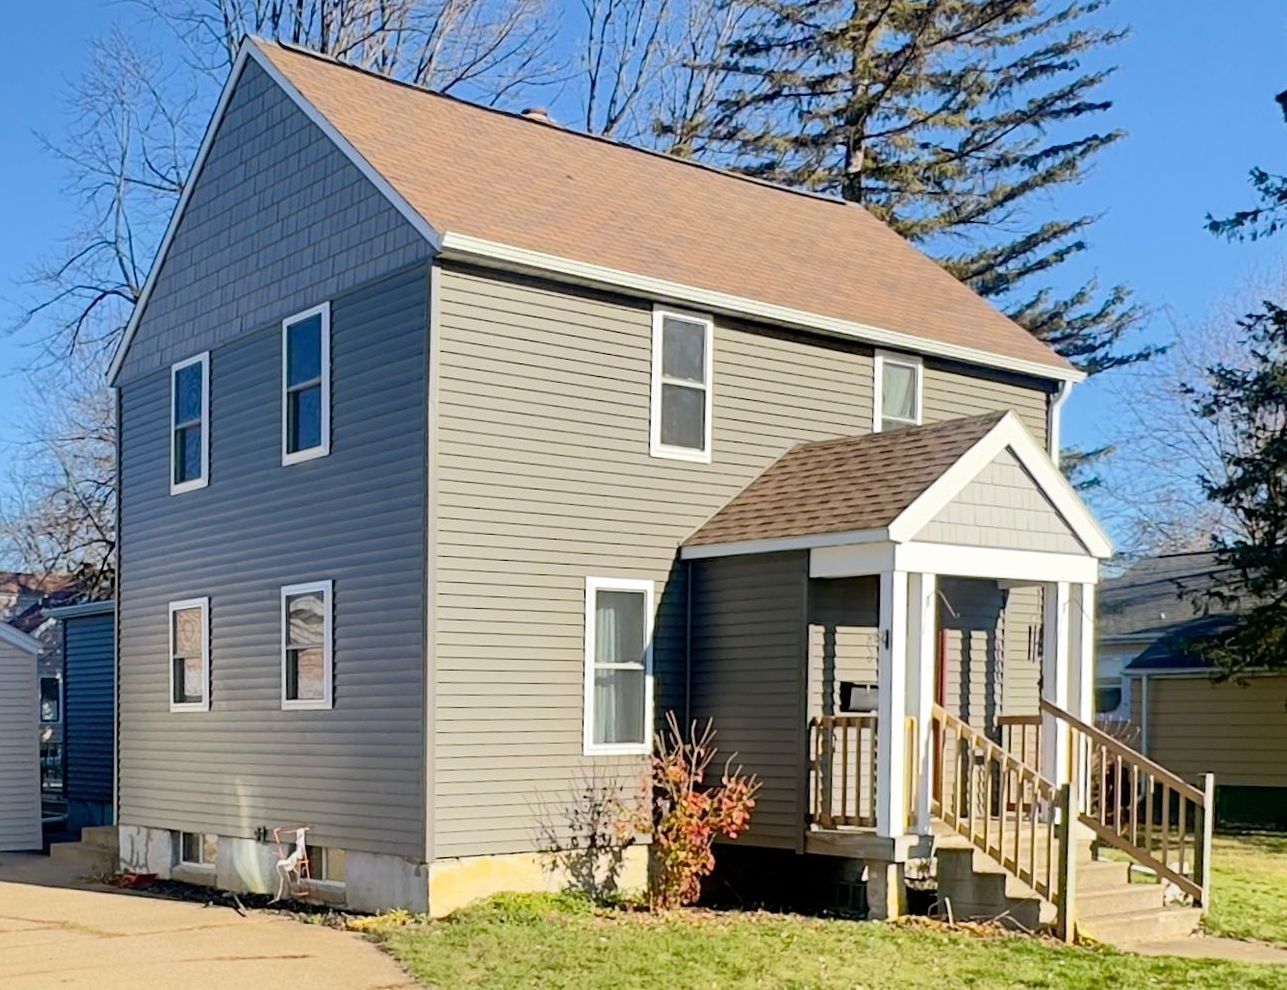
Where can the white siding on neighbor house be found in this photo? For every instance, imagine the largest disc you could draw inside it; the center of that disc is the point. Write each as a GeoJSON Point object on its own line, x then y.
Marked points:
{"type": "Point", "coordinates": [19, 750]}
{"type": "Point", "coordinates": [543, 477]}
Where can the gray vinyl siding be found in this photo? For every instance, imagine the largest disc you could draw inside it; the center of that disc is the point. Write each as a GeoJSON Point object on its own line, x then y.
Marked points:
{"type": "Point", "coordinates": [19, 750]}
{"type": "Point", "coordinates": [89, 692]}
{"type": "Point", "coordinates": [952, 391]}
{"type": "Point", "coordinates": [543, 478]}
{"type": "Point", "coordinates": [354, 774]}
{"type": "Point", "coordinates": [1003, 508]}
{"type": "Point", "coordinates": [278, 220]}
{"type": "Point", "coordinates": [748, 676]}
{"type": "Point", "coordinates": [843, 638]}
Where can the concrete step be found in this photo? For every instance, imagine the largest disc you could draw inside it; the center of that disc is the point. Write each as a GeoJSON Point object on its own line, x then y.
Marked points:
{"type": "Point", "coordinates": [1132, 927]}
{"type": "Point", "coordinates": [1101, 874]}
{"type": "Point", "coordinates": [1124, 899]}
{"type": "Point", "coordinates": [88, 859]}
{"type": "Point", "coordinates": [102, 836]}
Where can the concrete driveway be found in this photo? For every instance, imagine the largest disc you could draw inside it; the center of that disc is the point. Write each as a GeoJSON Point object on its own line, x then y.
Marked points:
{"type": "Point", "coordinates": [56, 932]}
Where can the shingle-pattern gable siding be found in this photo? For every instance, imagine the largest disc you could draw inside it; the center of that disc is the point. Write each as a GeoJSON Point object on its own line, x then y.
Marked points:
{"type": "Point", "coordinates": [278, 219]}
{"type": "Point", "coordinates": [355, 774]}
{"type": "Point", "coordinates": [543, 477]}
{"type": "Point", "coordinates": [90, 696]}
{"type": "Point", "coordinates": [1003, 508]}
{"type": "Point", "coordinates": [19, 750]}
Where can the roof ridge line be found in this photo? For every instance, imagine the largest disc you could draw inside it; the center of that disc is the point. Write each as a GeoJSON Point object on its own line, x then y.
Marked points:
{"type": "Point", "coordinates": [559, 128]}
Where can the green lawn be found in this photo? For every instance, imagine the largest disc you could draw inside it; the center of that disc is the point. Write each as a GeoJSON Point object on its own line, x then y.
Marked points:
{"type": "Point", "coordinates": [559, 942]}
{"type": "Point", "coordinates": [1249, 887]}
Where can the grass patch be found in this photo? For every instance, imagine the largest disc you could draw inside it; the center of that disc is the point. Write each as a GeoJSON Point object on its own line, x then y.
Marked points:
{"type": "Point", "coordinates": [562, 943]}
{"type": "Point", "coordinates": [1249, 887]}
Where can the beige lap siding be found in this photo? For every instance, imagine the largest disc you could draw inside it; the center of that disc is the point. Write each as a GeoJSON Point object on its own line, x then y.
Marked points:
{"type": "Point", "coordinates": [1238, 733]}
{"type": "Point", "coordinates": [543, 478]}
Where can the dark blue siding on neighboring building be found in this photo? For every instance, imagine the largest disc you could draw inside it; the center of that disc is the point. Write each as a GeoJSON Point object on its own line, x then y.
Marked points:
{"type": "Point", "coordinates": [89, 643]}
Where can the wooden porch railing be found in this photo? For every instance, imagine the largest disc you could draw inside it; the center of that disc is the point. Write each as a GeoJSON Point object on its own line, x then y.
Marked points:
{"type": "Point", "coordinates": [1141, 808]}
{"type": "Point", "coordinates": [1002, 805]}
{"type": "Point", "coordinates": [843, 770]}
{"type": "Point", "coordinates": [1021, 737]}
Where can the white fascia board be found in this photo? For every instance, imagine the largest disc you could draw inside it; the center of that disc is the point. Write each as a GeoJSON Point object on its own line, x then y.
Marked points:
{"type": "Point", "coordinates": [251, 50]}
{"type": "Point", "coordinates": [18, 638]}
{"type": "Point", "coordinates": [855, 560]}
{"type": "Point", "coordinates": [463, 247]}
{"type": "Point", "coordinates": [781, 544]}
{"type": "Point", "coordinates": [1008, 432]}
{"type": "Point", "coordinates": [1033, 566]}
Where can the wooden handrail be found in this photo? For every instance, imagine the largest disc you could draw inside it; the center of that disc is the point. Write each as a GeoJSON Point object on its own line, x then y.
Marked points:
{"type": "Point", "coordinates": [1102, 738]}
{"type": "Point", "coordinates": [1003, 806]}
{"type": "Point", "coordinates": [1116, 782]}
{"type": "Point", "coordinates": [843, 770]}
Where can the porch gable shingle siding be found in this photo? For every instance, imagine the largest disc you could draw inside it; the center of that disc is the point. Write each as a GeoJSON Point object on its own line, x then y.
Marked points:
{"type": "Point", "coordinates": [544, 478]}
{"type": "Point", "coordinates": [1003, 508]}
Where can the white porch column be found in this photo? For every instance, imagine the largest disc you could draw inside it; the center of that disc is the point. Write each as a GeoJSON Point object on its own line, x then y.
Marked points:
{"type": "Point", "coordinates": [921, 651]}
{"type": "Point", "coordinates": [1054, 679]}
{"type": "Point", "coordinates": [891, 733]}
{"type": "Point", "coordinates": [1081, 695]}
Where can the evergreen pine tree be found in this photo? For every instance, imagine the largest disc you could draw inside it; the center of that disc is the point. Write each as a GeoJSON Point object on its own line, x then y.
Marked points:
{"type": "Point", "coordinates": [1255, 490]}
{"type": "Point", "coordinates": [946, 119]}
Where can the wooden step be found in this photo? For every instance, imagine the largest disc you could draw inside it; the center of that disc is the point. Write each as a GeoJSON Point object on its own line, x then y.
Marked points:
{"type": "Point", "coordinates": [1132, 927]}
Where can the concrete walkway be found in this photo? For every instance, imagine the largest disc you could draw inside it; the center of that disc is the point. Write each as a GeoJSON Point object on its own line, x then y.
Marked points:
{"type": "Point", "coordinates": [56, 932]}
{"type": "Point", "coordinates": [1211, 947]}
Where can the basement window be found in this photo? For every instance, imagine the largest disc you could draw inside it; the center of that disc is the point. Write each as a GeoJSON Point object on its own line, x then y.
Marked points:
{"type": "Point", "coordinates": [307, 657]}
{"type": "Point", "coordinates": [198, 849]}
{"type": "Point", "coordinates": [681, 386]}
{"type": "Point", "coordinates": [190, 655]}
{"type": "Point", "coordinates": [618, 666]}
{"type": "Point", "coordinates": [898, 388]}
{"type": "Point", "coordinates": [306, 385]}
{"type": "Point", "coordinates": [327, 864]}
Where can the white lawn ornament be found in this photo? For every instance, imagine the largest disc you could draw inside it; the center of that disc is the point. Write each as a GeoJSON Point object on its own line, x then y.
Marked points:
{"type": "Point", "coordinates": [292, 869]}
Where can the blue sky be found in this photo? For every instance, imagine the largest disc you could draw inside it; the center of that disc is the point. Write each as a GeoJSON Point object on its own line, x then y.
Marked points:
{"type": "Point", "coordinates": [1194, 91]}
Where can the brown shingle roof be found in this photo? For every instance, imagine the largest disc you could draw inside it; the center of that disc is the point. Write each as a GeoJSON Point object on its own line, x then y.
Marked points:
{"type": "Point", "coordinates": [843, 486]}
{"type": "Point", "coordinates": [504, 178]}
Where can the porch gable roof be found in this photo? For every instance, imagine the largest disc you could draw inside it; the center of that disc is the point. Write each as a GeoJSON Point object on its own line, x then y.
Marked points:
{"type": "Point", "coordinates": [882, 486]}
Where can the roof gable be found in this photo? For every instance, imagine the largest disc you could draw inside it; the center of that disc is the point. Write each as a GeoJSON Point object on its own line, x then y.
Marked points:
{"type": "Point", "coordinates": [891, 486]}
{"type": "Point", "coordinates": [591, 209]}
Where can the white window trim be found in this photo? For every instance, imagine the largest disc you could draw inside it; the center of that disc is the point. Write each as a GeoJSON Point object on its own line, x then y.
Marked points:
{"type": "Point", "coordinates": [656, 447]}
{"type": "Point", "coordinates": [324, 448]}
{"type": "Point", "coordinates": [593, 585]}
{"type": "Point", "coordinates": [204, 704]}
{"type": "Point", "coordinates": [197, 864]}
{"type": "Point", "coordinates": [878, 390]}
{"type": "Point", "coordinates": [328, 654]}
{"type": "Point", "coordinates": [179, 488]}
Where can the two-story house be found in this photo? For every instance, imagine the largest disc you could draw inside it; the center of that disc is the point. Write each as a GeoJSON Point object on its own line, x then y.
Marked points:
{"type": "Point", "coordinates": [456, 446]}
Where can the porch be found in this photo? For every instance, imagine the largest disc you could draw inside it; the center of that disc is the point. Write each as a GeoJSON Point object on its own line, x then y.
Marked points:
{"type": "Point", "coordinates": [897, 631]}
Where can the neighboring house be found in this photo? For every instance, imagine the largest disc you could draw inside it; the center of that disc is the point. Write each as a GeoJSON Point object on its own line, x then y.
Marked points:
{"type": "Point", "coordinates": [455, 447]}
{"type": "Point", "coordinates": [25, 602]}
{"type": "Point", "coordinates": [86, 635]}
{"type": "Point", "coordinates": [19, 749]}
{"type": "Point", "coordinates": [1150, 677]}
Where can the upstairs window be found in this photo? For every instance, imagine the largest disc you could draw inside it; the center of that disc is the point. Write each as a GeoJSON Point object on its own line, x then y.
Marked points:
{"type": "Point", "coordinates": [306, 385]}
{"type": "Point", "coordinates": [897, 400]}
{"type": "Point", "coordinates": [190, 655]}
{"type": "Point", "coordinates": [190, 424]}
{"type": "Point", "coordinates": [681, 386]}
{"type": "Point", "coordinates": [306, 645]}
{"type": "Point", "coordinates": [618, 665]}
